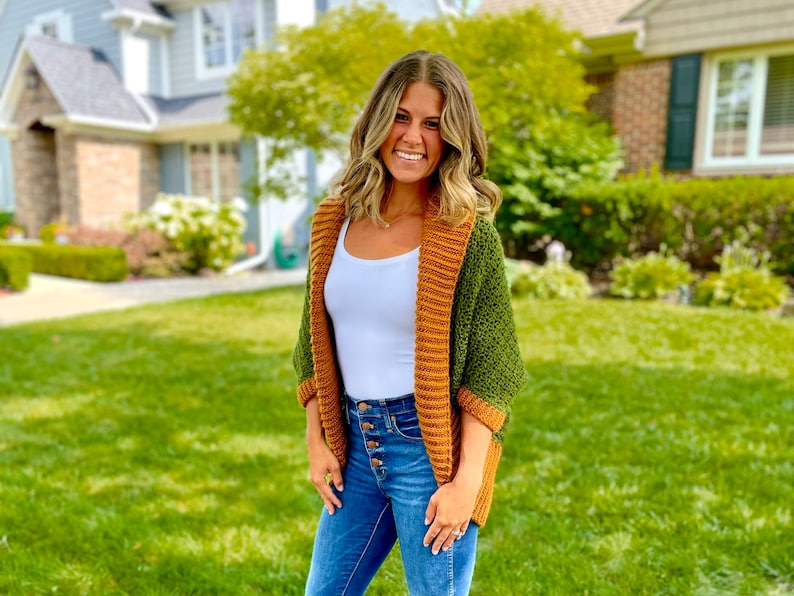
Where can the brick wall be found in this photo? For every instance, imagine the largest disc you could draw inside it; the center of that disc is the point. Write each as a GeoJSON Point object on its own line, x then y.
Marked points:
{"type": "Point", "coordinates": [639, 112]}
{"type": "Point", "coordinates": [33, 161]}
{"type": "Point", "coordinates": [114, 177]}
{"type": "Point", "coordinates": [75, 177]}
{"type": "Point", "coordinates": [603, 98]}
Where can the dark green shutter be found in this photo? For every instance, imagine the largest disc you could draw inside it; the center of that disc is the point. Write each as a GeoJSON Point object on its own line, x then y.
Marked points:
{"type": "Point", "coordinates": [682, 111]}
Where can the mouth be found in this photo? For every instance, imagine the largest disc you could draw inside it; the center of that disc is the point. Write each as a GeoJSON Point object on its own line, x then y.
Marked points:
{"type": "Point", "coordinates": [409, 156]}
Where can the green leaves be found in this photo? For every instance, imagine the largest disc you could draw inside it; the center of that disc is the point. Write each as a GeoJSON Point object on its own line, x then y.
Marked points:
{"type": "Point", "coordinates": [307, 90]}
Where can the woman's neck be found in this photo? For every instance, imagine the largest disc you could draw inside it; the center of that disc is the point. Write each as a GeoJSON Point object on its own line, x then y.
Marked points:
{"type": "Point", "coordinates": [404, 198]}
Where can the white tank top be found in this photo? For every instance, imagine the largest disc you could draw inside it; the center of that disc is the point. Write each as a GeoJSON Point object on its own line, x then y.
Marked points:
{"type": "Point", "coordinates": [372, 304]}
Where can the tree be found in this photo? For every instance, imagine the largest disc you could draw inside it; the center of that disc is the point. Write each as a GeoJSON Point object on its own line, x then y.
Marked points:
{"type": "Point", "coordinates": [522, 67]}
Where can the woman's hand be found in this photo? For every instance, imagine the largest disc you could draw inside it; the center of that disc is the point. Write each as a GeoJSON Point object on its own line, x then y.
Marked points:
{"type": "Point", "coordinates": [449, 513]}
{"type": "Point", "coordinates": [324, 468]}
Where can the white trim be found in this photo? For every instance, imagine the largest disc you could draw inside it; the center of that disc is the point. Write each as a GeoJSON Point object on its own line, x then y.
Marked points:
{"type": "Point", "coordinates": [61, 18]}
{"type": "Point", "coordinates": [752, 159]}
{"type": "Point", "coordinates": [137, 20]}
{"type": "Point", "coordinates": [202, 72]}
{"type": "Point", "coordinates": [165, 68]}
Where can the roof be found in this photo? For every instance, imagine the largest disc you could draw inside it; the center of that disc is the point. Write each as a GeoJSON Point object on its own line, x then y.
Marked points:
{"type": "Point", "coordinates": [187, 110]}
{"type": "Point", "coordinates": [594, 18]}
{"type": "Point", "coordinates": [83, 81]}
{"type": "Point", "coordinates": [88, 88]}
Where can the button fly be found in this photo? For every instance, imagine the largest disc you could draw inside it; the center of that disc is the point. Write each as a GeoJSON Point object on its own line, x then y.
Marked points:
{"type": "Point", "coordinates": [376, 462]}
{"type": "Point", "coordinates": [372, 444]}
{"type": "Point", "coordinates": [362, 406]}
{"type": "Point", "coordinates": [367, 426]}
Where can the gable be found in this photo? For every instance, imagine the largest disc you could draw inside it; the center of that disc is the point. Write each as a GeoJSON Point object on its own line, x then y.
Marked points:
{"type": "Point", "coordinates": [674, 27]}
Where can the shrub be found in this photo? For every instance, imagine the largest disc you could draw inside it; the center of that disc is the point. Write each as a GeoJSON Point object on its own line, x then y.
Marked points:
{"type": "Point", "coordinates": [695, 218]}
{"type": "Point", "coordinates": [92, 263]}
{"type": "Point", "coordinates": [53, 232]}
{"type": "Point", "coordinates": [15, 268]}
{"type": "Point", "coordinates": [554, 280]}
{"type": "Point", "coordinates": [11, 230]}
{"type": "Point", "coordinates": [744, 281]}
{"type": "Point", "coordinates": [208, 232]}
{"type": "Point", "coordinates": [652, 276]}
{"type": "Point", "coordinates": [6, 217]}
{"type": "Point", "coordinates": [149, 253]}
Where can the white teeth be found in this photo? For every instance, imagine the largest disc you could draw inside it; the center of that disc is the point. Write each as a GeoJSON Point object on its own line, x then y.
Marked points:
{"type": "Point", "coordinates": [411, 156]}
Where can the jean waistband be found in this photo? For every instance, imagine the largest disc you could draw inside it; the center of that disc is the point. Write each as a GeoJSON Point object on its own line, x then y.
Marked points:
{"type": "Point", "coordinates": [394, 405]}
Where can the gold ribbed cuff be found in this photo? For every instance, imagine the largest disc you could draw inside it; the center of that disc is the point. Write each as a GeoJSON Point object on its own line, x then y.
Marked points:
{"type": "Point", "coordinates": [485, 413]}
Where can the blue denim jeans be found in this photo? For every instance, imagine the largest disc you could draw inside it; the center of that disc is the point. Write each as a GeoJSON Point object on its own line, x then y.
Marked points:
{"type": "Point", "coordinates": [388, 482]}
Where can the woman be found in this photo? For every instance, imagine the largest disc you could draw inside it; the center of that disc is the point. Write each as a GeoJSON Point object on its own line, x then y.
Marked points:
{"type": "Point", "coordinates": [407, 356]}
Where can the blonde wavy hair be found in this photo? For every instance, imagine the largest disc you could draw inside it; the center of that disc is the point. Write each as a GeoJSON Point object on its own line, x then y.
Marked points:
{"type": "Point", "coordinates": [457, 185]}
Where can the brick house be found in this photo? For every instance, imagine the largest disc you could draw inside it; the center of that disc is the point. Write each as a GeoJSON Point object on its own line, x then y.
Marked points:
{"type": "Point", "coordinates": [698, 88]}
{"type": "Point", "coordinates": [105, 103]}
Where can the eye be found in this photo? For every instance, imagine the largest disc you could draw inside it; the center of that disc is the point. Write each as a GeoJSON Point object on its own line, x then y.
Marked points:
{"type": "Point", "coordinates": [432, 124]}
{"type": "Point", "coordinates": [399, 117]}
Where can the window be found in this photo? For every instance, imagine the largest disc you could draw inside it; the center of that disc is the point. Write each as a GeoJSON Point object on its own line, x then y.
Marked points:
{"type": "Point", "coordinates": [56, 24]}
{"type": "Point", "coordinates": [214, 170]}
{"type": "Point", "coordinates": [225, 29]}
{"type": "Point", "coordinates": [751, 120]}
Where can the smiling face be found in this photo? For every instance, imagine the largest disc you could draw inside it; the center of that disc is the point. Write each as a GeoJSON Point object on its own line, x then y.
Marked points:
{"type": "Point", "coordinates": [412, 152]}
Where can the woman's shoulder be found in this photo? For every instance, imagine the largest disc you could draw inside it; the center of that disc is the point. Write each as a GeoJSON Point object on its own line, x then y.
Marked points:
{"type": "Point", "coordinates": [484, 236]}
{"type": "Point", "coordinates": [329, 208]}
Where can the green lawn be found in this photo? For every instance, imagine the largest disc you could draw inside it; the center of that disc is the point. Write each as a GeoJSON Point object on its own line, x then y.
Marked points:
{"type": "Point", "coordinates": [160, 451]}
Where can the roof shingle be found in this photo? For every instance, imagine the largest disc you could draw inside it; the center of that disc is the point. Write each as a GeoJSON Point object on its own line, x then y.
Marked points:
{"type": "Point", "coordinates": [593, 18]}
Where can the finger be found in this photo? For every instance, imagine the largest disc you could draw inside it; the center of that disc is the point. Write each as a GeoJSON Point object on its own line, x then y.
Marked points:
{"type": "Point", "coordinates": [329, 496]}
{"type": "Point", "coordinates": [442, 542]}
{"type": "Point", "coordinates": [430, 512]}
{"type": "Point", "coordinates": [336, 479]}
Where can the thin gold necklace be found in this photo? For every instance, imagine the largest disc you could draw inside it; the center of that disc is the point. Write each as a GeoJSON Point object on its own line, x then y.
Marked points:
{"type": "Point", "coordinates": [389, 224]}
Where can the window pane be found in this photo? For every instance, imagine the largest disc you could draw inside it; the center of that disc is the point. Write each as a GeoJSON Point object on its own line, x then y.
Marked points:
{"type": "Point", "coordinates": [201, 170]}
{"type": "Point", "coordinates": [229, 170]}
{"type": "Point", "coordinates": [243, 27]}
{"type": "Point", "coordinates": [213, 35]}
{"type": "Point", "coordinates": [734, 91]}
{"type": "Point", "coordinates": [50, 29]}
{"type": "Point", "coordinates": [777, 135]}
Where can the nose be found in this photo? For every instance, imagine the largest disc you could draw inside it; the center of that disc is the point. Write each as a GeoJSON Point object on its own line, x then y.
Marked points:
{"type": "Point", "coordinates": [413, 134]}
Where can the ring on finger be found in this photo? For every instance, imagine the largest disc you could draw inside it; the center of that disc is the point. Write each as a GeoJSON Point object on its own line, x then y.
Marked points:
{"type": "Point", "coordinates": [457, 534]}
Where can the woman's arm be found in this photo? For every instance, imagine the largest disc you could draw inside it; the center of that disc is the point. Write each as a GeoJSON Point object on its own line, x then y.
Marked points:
{"type": "Point", "coordinates": [451, 506]}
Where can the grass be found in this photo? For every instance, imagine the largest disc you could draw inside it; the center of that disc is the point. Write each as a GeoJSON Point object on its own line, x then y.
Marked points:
{"type": "Point", "coordinates": [160, 451]}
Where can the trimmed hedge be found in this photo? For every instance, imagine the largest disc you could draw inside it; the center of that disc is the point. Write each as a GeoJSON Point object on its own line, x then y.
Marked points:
{"type": "Point", "coordinates": [92, 263]}
{"type": "Point", "coordinates": [15, 268]}
{"type": "Point", "coordinates": [694, 219]}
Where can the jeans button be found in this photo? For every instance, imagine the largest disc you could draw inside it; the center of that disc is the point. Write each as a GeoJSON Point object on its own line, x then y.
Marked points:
{"type": "Point", "coordinates": [372, 444]}
{"type": "Point", "coordinates": [376, 462]}
{"type": "Point", "coordinates": [362, 406]}
{"type": "Point", "coordinates": [367, 426]}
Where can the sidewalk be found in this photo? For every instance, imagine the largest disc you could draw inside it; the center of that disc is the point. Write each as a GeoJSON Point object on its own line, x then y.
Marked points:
{"type": "Point", "coordinates": [50, 297]}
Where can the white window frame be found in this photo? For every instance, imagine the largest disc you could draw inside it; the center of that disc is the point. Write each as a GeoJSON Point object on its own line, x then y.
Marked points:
{"type": "Point", "coordinates": [204, 72]}
{"type": "Point", "coordinates": [752, 157]}
{"type": "Point", "coordinates": [60, 18]}
{"type": "Point", "coordinates": [215, 173]}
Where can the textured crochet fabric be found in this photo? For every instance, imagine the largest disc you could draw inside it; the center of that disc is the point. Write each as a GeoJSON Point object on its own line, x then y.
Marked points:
{"type": "Point", "coordinates": [467, 355]}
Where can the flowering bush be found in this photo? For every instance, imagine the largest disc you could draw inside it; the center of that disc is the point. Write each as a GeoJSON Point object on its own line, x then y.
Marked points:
{"type": "Point", "coordinates": [208, 232]}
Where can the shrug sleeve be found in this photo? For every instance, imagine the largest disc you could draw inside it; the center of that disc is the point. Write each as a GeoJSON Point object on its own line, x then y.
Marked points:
{"type": "Point", "coordinates": [487, 369]}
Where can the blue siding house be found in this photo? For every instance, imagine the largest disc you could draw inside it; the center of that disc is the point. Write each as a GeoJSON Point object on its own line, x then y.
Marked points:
{"type": "Point", "coordinates": [105, 103]}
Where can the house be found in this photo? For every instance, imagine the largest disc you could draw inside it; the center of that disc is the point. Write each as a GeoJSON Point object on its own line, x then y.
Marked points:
{"type": "Point", "coordinates": [105, 103]}
{"type": "Point", "coordinates": [700, 88]}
